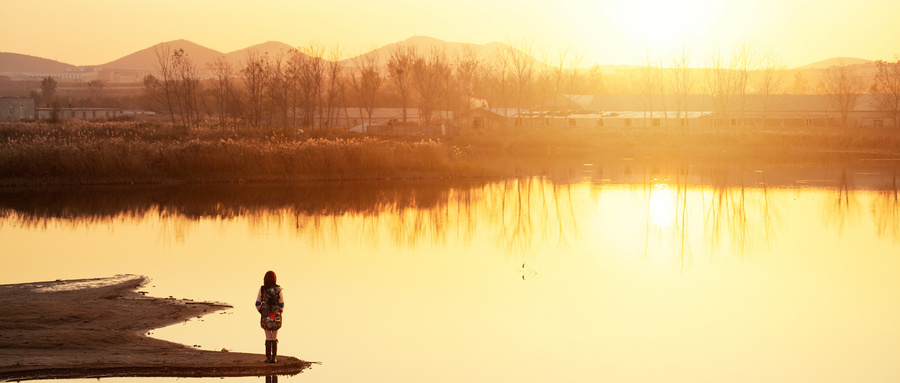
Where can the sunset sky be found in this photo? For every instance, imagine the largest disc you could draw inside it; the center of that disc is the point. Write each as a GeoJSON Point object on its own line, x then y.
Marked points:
{"type": "Point", "coordinates": [91, 32]}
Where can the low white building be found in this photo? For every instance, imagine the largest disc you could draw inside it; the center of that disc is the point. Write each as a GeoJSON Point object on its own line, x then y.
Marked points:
{"type": "Point", "coordinates": [86, 114]}
{"type": "Point", "coordinates": [16, 108]}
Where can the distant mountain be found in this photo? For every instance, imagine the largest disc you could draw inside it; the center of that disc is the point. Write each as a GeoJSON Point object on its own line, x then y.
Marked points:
{"type": "Point", "coordinates": [270, 47]}
{"type": "Point", "coordinates": [14, 62]}
{"type": "Point", "coordinates": [146, 59]}
{"type": "Point", "coordinates": [834, 61]}
{"type": "Point", "coordinates": [424, 44]}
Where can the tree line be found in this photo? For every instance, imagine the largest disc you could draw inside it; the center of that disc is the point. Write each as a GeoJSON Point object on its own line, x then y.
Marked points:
{"type": "Point", "coordinates": [311, 87]}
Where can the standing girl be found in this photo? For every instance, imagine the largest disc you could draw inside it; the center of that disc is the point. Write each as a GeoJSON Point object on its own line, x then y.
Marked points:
{"type": "Point", "coordinates": [270, 304]}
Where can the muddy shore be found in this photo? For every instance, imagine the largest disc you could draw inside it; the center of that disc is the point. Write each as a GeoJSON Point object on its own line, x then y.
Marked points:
{"type": "Point", "coordinates": [97, 328]}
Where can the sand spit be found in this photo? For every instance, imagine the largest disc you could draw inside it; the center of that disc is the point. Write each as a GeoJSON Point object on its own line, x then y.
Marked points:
{"type": "Point", "coordinates": [96, 328]}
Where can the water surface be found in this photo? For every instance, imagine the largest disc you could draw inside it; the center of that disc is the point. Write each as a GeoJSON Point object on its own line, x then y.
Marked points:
{"type": "Point", "coordinates": [600, 273]}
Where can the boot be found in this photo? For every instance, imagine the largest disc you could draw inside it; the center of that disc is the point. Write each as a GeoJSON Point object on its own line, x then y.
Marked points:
{"type": "Point", "coordinates": [268, 351]}
{"type": "Point", "coordinates": [274, 351]}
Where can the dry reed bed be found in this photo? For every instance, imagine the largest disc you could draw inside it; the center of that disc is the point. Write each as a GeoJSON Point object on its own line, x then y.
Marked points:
{"type": "Point", "coordinates": [704, 143]}
{"type": "Point", "coordinates": [86, 152]}
{"type": "Point", "coordinates": [140, 152]}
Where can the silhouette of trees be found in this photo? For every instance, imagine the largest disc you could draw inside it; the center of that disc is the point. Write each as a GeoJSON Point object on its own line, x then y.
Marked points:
{"type": "Point", "coordinates": [400, 68]}
{"type": "Point", "coordinates": [886, 89]}
{"type": "Point", "coordinates": [254, 73]}
{"type": "Point", "coordinates": [335, 87]}
{"type": "Point", "coordinates": [95, 88]}
{"type": "Point", "coordinates": [310, 71]}
{"type": "Point", "coordinates": [682, 83]}
{"type": "Point", "coordinates": [367, 81]}
{"type": "Point", "coordinates": [771, 80]}
{"type": "Point", "coordinates": [48, 90]}
{"type": "Point", "coordinates": [178, 87]}
{"type": "Point", "coordinates": [521, 68]}
{"type": "Point", "coordinates": [429, 74]}
{"type": "Point", "coordinates": [842, 85]}
{"type": "Point", "coordinates": [222, 87]}
{"type": "Point", "coordinates": [799, 85]}
{"type": "Point", "coordinates": [468, 69]}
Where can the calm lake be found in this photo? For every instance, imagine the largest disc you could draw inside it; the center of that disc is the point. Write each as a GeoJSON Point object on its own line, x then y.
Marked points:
{"type": "Point", "coordinates": [621, 272]}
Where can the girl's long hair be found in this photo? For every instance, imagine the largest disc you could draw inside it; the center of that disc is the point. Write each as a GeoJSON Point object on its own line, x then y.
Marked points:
{"type": "Point", "coordinates": [269, 279]}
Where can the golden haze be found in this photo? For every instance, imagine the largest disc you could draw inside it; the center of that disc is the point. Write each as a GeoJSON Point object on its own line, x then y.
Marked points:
{"type": "Point", "coordinates": [94, 32]}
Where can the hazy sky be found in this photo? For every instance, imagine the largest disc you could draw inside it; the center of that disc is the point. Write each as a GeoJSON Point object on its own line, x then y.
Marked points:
{"type": "Point", "coordinates": [89, 32]}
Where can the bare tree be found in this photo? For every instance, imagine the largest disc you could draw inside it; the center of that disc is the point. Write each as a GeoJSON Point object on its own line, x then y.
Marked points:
{"type": "Point", "coordinates": [429, 73]}
{"type": "Point", "coordinates": [254, 73]}
{"type": "Point", "coordinates": [842, 85]}
{"type": "Point", "coordinates": [650, 83]}
{"type": "Point", "coordinates": [497, 79]}
{"type": "Point", "coordinates": [178, 87]}
{"type": "Point", "coordinates": [468, 67]}
{"type": "Point", "coordinates": [799, 85]}
{"type": "Point", "coordinates": [48, 90]}
{"type": "Point", "coordinates": [163, 89]}
{"type": "Point", "coordinates": [771, 80]}
{"type": "Point", "coordinates": [745, 60]}
{"type": "Point", "coordinates": [95, 89]}
{"type": "Point", "coordinates": [334, 92]}
{"type": "Point", "coordinates": [223, 71]}
{"type": "Point", "coordinates": [720, 84]}
{"type": "Point", "coordinates": [886, 89]}
{"type": "Point", "coordinates": [682, 83]}
{"type": "Point", "coordinates": [278, 89]}
{"type": "Point", "coordinates": [367, 81]}
{"type": "Point", "coordinates": [521, 68]}
{"type": "Point", "coordinates": [186, 81]}
{"type": "Point", "coordinates": [543, 82]}
{"type": "Point", "coordinates": [400, 66]}
{"type": "Point", "coordinates": [565, 72]}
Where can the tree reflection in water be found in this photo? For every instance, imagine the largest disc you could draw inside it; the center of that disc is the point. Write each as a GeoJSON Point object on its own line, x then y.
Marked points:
{"type": "Point", "coordinates": [886, 212]}
{"type": "Point", "coordinates": [686, 210]}
{"type": "Point", "coordinates": [843, 209]}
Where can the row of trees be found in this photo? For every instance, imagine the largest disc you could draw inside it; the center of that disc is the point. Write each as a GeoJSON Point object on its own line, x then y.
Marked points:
{"type": "Point", "coordinates": [310, 87]}
{"type": "Point", "coordinates": [729, 78]}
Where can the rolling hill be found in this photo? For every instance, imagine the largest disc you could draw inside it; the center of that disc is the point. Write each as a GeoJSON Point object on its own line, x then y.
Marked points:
{"type": "Point", "coordinates": [14, 62]}
{"type": "Point", "coordinates": [824, 64]}
{"type": "Point", "coordinates": [145, 59]}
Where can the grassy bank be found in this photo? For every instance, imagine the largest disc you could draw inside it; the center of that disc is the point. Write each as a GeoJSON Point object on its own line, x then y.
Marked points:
{"type": "Point", "coordinates": [143, 152]}
{"type": "Point", "coordinates": [749, 143]}
{"type": "Point", "coordinates": [152, 152]}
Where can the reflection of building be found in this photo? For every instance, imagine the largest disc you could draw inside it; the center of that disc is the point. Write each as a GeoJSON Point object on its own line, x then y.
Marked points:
{"type": "Point", "coordinates": [16, 108]}
{"type": "Point", "coordinates": [585, 111]}
{"type": "Point", "coordinates": [78, 113]}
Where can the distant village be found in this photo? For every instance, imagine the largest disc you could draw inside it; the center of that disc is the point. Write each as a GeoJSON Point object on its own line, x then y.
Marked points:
{"type": "Point", "coordinates": [411, 89]}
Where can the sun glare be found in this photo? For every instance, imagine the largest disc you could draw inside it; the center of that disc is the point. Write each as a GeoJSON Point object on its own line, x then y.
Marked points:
{"type": "Point", "coordinates": [662, 25]}
{"type": "Point", "coordinates": [662, 205]}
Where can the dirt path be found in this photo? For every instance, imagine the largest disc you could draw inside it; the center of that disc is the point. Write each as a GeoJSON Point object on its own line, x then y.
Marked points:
{"type": "Point", "coordinates": [95, 328]}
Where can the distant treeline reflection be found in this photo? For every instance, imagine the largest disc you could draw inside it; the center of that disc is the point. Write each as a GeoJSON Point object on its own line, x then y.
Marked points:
{"type": "Point", "coordinates": [702, 207]}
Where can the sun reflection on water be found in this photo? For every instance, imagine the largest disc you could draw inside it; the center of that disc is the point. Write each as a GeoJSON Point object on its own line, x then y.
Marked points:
{"type": "Point", "coordinates": [662, 204]}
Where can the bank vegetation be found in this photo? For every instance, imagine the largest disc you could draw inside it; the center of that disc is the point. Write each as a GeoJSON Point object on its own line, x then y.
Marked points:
{"type": "Point", "coordinates": [79, 152]}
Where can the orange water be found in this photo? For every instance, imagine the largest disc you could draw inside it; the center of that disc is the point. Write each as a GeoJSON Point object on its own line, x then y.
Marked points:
{"type": "Point", "coordinates": [524, 280]}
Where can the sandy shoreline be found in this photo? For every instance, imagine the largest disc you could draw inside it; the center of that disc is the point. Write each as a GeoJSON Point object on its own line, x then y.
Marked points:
{"type": "Point", "coordinates": [96, 328]}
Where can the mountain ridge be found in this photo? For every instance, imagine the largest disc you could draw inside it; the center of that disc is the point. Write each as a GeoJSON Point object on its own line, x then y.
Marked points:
{"type": "Point", "coordinates": [145, 59]}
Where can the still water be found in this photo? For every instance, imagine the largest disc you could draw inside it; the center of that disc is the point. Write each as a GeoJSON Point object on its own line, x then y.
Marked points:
{"type": "Point", "coordinates": [598, 274]}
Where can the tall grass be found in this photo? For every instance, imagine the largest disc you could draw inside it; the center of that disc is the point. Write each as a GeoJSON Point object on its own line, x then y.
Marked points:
{"type": "Point", "coordinates": [80, 152]}
{"type": "Point", "coordinates": [691, 143]}
{"type": "Point", "coordinates": [113, 152]}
